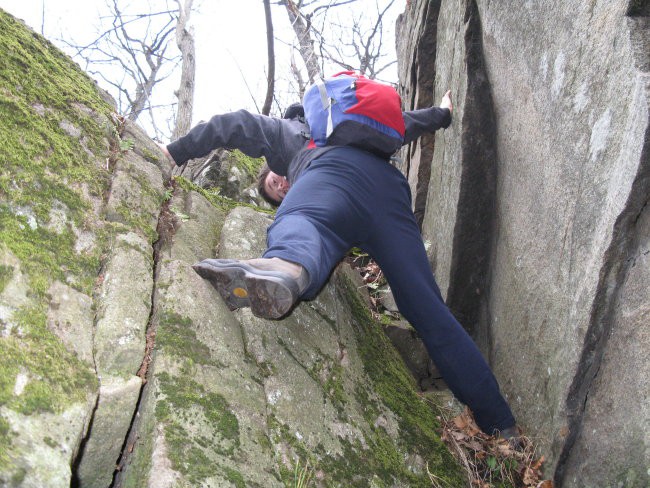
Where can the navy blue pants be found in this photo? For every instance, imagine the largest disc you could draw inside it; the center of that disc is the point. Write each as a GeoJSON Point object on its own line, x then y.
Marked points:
{"type": "Point", "coordinates": [349, 198]}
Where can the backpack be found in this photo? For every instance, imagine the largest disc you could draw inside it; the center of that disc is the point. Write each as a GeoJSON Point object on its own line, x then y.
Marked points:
{"type": "Point", "coordinates": [348, 109]}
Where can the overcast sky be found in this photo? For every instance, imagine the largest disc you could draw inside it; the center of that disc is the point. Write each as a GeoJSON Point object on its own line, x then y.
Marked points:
{"type": "Point", "coordinates": [230, 41]}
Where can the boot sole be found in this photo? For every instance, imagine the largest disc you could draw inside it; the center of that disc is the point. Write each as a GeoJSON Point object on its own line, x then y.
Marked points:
{"type": "Point", "coordinates": [269, 294]}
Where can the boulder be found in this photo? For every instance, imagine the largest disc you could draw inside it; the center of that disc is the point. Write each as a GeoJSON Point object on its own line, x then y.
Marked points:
{"type": "Point", "coordinates": [237, 400]}
{"type": "Point", "coordinates": [536, 217]}
{"type": "Point", "coordinates": [78, 216]}
{"type": "Point", "coordinates": [416, 29]}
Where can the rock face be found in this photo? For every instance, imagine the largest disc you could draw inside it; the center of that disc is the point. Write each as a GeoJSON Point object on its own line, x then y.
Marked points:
{"type": "Point", "coordinates": [537, 214]}
{"type": "Point", "coordinates": [114, 352]}
{"type": "Point", "coordinates": [246, 399]}
{"type": "Point", "coordinates": [418, 42]}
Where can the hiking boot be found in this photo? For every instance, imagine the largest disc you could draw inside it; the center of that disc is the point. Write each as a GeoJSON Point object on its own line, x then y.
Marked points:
{"type": "Point", "coordinates": [270, 287]}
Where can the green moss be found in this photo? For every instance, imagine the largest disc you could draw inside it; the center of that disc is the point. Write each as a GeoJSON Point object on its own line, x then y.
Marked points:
{"type": "Point", "coordinates": [5, 441]}
{"type": "Point", "coordinates": [214, 198]}
{"type": "Point", "coordinates": [146, 189]}
{"type": "Point", "coordinates": [137, 220]}
{"type": "Point", "coordinates": [265, 442]}
{"type": "Point", "coordinates": [6, 273]}
{"type": "Point", "coordinates": [367, 399]}
{"type": "Point", "coordinates": [41, 165]}
{"type": "Point", "coordinates": [176, 336]}
{"type": "Point", "coordinates": [235, 477]}
{"type": "Point", "coordinates": [50, 442]}
{"type": "Point", "coordinates": [281, 434]}
{"type": "Point", "coordinates": [37, 154]}
{"type": "Point", "coordinates": [329, 374]}
{"type": "Point", "coordinates": [149, 156]}
{"type": "Point", "coordinates": [250, 166]}
{"type": "Point", "coordinates": [18, 477]}
{"type": "Point", "coordinates": [325, 371]}
{"type": "Point", "coordinates": [396, 387]}
{"type": "Point", "coordinates": [267, 369]}
{"type": "Point", "coordinates": [185, 402]}
{"type": "Point", "coordinates": [56, 378]}
{"type": "Point", "coordinates": [334, 387]}
{"type": "Point", "coordinates": [381, 459]}
{"type": "Point", "coordinates": [46, 255]}
{"type": "Point", "coordinates": [386, 320]}
{"type": "Point", "coordinates": [379, 463]}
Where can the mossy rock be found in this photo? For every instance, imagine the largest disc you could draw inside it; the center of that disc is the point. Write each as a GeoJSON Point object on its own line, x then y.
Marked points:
{"type": "Point", "coordinates": [57, 148]}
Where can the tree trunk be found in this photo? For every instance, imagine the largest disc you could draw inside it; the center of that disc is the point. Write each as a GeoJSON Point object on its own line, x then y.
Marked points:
{"type": "Point", "coordinates": [185, 93]}
{"type": "Point", "coordinates": [306, 46]}
{"type": "Point", "coordinates": [270, 85]}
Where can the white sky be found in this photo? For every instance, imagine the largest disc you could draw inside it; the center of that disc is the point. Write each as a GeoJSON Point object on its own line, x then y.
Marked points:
{"type": "Point", "coordinates": [230, 42]}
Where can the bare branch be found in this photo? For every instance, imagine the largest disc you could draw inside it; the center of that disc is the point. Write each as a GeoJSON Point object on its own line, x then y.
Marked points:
{"type": "Point", "coordinates": [135, 46]}
{"type": "Point", "coordinates": [352, 43]}
{"type": "Point", "coordinates": [270, 84]}
{"type": "Point", "coordinates": [330, 5]}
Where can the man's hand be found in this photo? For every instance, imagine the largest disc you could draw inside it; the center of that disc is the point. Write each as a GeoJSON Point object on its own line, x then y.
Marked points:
{"type": "Point", "coordinates": [170, 159]}
{"type": "Point", "coordinates": [164, 149]}
{"type": "Point", "coordinates": [446, 101]}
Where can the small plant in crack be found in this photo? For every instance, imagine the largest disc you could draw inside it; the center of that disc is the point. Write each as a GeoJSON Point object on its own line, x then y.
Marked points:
{"type": "Point", "coordinates": [126, 144]}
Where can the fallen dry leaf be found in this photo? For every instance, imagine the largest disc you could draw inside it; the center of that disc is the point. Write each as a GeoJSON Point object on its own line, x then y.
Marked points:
{"type": "Point", "coordinates": [459, 436]}
{"type": "Point", "coordinates": [538, 464]}
{"type": "Point", "coordinates": [460, 422]}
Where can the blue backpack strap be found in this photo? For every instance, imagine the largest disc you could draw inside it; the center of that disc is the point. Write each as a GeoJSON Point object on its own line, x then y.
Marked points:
{"type": "Point", "coordinates": [327, 105]}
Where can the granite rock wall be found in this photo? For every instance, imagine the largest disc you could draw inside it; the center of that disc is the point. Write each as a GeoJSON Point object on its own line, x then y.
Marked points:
{"type": "Point", "coordinates": [536, 214]}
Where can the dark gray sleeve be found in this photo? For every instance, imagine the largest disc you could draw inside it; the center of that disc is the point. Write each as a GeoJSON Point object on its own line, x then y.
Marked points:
{"type": "Point", "coordinates": [254, 135]}
{"type": "Point", "coordinates": [425, 121]}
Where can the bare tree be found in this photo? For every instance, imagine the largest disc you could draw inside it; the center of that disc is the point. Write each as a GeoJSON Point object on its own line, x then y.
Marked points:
{"type": "Point", "coordinates": [185, 93]}
{"type": "Point", "coordinates": [134, 52]}
{"type": "Point", "coordinates": [327, 41]}
{"type": "Point", "coordinates": [361, 43]}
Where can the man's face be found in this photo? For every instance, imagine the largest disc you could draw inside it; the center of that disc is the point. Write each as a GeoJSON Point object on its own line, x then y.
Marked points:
{"type": "Point", "coordinates": [276, 186]}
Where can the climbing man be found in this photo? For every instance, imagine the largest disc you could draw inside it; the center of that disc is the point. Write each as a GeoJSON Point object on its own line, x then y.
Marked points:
{"type": "Point", "coordinates": [331, 199]}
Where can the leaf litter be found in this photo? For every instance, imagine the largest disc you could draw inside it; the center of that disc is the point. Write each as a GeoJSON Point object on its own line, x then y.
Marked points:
{"type": "Point", "coordinates": [491, 461]}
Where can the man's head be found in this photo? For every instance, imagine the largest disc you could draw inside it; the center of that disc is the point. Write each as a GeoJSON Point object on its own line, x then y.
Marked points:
{"type": "Point", "coordinates": [272, 187]}
{"type": "Point", "coordinates": [295, 110]}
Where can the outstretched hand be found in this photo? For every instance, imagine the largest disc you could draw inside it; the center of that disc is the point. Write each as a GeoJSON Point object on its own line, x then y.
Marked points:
{"type": "Point", "coordinates": [164, 149]}
{"type": "Point", "coordinates": [446, 101]}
